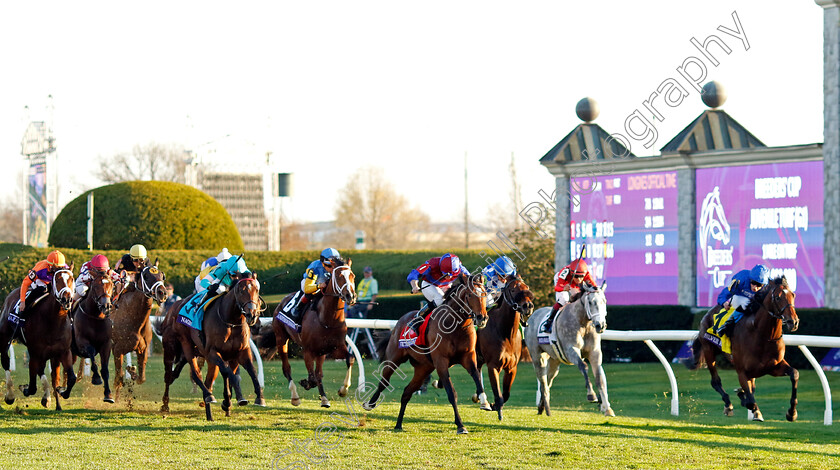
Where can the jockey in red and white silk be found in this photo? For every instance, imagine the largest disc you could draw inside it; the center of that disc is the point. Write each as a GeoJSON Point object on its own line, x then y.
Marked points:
{"type": "Point", "coordinates": [98, 265]}
{"type": "Point", "coordinates": [568, 282]}
{"type": "Point", "coordinates": [433, 278]}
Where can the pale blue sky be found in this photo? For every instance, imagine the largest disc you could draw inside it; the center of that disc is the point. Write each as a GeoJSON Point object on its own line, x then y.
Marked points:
{"type": "Point", "coordinates": [409, 86]}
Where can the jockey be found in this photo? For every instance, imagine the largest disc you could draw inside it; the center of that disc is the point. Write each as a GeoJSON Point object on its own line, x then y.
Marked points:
{"type": "Point", "coordinates": [433, 278]}
{"type": "Point", "coordinates": [567, 283]}
{"type": "Point", "coordinates": [97, 266]}
{"type": "Point", "coordinates": [314, 280]}
{"type": "Point", "coordinates": [133, 261]}
{"type": "Point", "coordinates": [495, 277]}
{"type": "Point", "coordinates": [224, 275]}
{"type": "Point", "coordinates": [40, 277]}
{"type": "Point", "coordinates": [208, 265]}
{"type": "Point", "coordinates": [739, 294]}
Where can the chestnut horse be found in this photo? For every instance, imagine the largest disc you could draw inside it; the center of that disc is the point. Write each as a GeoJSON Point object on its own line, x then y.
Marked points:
{"type": "Point", "coordinates": [46, 333]}
{"type": "Point", "coordinates": [225, 341]}
{"type": "Point", "coordinates": [92, 329]}
{"type": "Point", "coordinates": [451, 340]}
{"type": "Point", "coordinates": [323, 331]}
{"type": "Point", "coordinates": [757, 346]}
{"type": "Point", "coordinates": [132, 330]}
{"type": "Point", "coordinates": [500, 342]}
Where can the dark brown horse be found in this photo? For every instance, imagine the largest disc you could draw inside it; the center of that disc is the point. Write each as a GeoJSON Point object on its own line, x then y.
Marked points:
{"type": "Point", "coordinates": [450, 340]}
{"type": "Point", "coordinates": [92, 329]}
{"type": "Point", "coordinates": [132, 330]}
{"type": "Point", "coordinates": [500, 342]}
{"type": "Point", "coordinates": [757, 346]}
{"type": "Point", "coordinates": [224, 341]}
{"type": "Point", "coordinates": [47, 334]}
{"type": "Point", "coordinates": [323, 332]}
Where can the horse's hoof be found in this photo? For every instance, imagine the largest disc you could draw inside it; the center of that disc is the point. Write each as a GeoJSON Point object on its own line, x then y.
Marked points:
{"type": "Point", "coordinates": [474, 398]}
{"type": "Point", "coordinates": [486, 407]}
{"type": "Point", "coordinates": [305, 384]}
{"type": "Point", "coordinates": [65, 394]}
{"type": "Point", "coordinates": [757, 416]}
{"type": "Point", "coordinates": [462, 430]}
{"type": "Point", "coordinates": [211, 400]}
{"type": "Point", "coordinates": [791, 417]}
{"type": "Point", "coordinates": [609, 412]}
{"type": "Point", "coordinates": [10, 401]}
{"type": "Point", "coordinates": [295, 401]}
{"type": "Point", "coordinates": [592, 398]}
{"type": "Point", "coordinates": [435, 384]}
{"type": "Point", "coordinates": [260, 402]}
{"type": "Point", "coordinates": [44, 402]}
{"type": "Point", "coordinates": [225, 406]}
{"type": "Point", "coordinates": [728, 411]}
{"type": "Point", "coordinates": [164, 408]}
{"type": "Point", "coordinates": [96, 380]}
{"type": "Point", "coordinates": [108, 400]}
{"type": "Point", "coordinates": [342, 392]}
{"type": "Point", "coordinates": [242, 402]}
{"type": "Point", "coordinates": [325, 404]}
{"type": "Point", "coordinates": [368, 407]}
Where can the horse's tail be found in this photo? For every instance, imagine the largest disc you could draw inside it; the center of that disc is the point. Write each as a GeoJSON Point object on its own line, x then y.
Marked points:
{"type": "Point", "coordinates": [267, 342]}
{"type": "Point", "coordinates": [382, 345]}
{"type": "Point", "coordinates": [157, 325]}
{"type": "Point", "coordinates": [696, 359]}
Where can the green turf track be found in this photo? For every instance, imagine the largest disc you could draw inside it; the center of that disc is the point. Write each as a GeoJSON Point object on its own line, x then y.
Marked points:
{"type": "Point", "coordinates": [92, 434]}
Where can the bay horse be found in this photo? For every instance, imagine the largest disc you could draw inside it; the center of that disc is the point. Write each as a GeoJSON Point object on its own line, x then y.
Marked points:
{"type": "Point", "coordinates": [323, 332]}
{"type": "Point", "coordinates": [500, 342]}
{"type": "Point", "coordinates": [575, 339]}
{"type": "Point", "coordinates": [132, 330]}
{"type": "Point", "coordinates": [92, 329]}
{"type": "Point", "coordinates": [225, 341]}
{"type": "Point", "coordinates": [757, 346]}
{"type": "Point", "coordinates": [47, 335]}
{"type": "Point", "coordinates": [451, 339]}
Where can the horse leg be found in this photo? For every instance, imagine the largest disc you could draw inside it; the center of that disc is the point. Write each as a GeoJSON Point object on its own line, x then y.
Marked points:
{"type": "Point", "coordinates": [45, 382]}
{"type": "Point", "coordinates": [783, 368]}
{"type": "Point", "coordinates": [711, 363]}
{"type": "Point", "coordinates": [118, 375]}
{"type": "Point", "coordinates": [210, 378]}
{"type": "Point", "coordinates": [510, 375]}
{"type": "Point", "coordinates": [574, 354]}
{"type": "Point", "coordinates": [142, 358]}
{"type": "Point", "coordinates": [226, 395]}
{"type": "Point", "coordinates": [248, 364]}
{"type": "Point", "coordinates": [34, 365]}
{"type": "Point", "coordinates": [90, 353]}
{"type": "Point", "coordinates": [349, 359]}
{"type": "Point", "coordinates": [387, 369]}
{"type": "Point", "coordinates": [67, 360]}
{"type": "Point", "coordinates": [421, 371]}
{"type": "Point", "coordinates": [442, 367]}
{"type": "Point", "coordinates": [540, 364]}
{"type": "Point", "coordinates": [105, 357]}
{"type": "Point", "coordinates": [6, 363]}
{"type": "Point", "coordinates": [469, 363]}
{"type": "Point", "coordinates": [195, 374]}
{"type": "Point", "coordinates": [552, 369]}
{"type": "Point", "coordinates": [319, 376]}
{"type": "Point", "coordinates": [56, 381]}
{"type": "Point", "coordinates": [283, 351]}
{"type": "Point", "coordinates": [601, 381]}
{"type": "Point", "coordinates": [493, 373]}
{"type": "Point", "coordinates": [213, 356]}
{"type": "Point", "coordinates": [309, 362]}
{"type": "Point", "coordinates": [747, 395]}
{"type": "Point", "coordinates": [234, 366]}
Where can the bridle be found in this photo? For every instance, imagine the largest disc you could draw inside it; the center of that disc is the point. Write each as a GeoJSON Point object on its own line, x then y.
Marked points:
{"type": "Point", "coordinates": [250, 310]}
{"type": "Point", "coordinates": [65, 302]}
{"type": "Point", "coordinates": [780, 312]}
{"type": "Point", "coordinates": [106, 312]}
{"type": "Point", "coordinates": [339, 291]}
{"type": "Point", "coordinates": [151, 291]}
{"type": "Point", "coordinates": [476, 289]}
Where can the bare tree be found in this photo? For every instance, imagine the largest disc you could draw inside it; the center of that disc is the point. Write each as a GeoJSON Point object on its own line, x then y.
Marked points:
{"type": "Point", "coordinates": [11, 220]}
{"type": "Point", "coordinates": [372, 204]}
{"type": "Point", "coordinates": [152, 161]}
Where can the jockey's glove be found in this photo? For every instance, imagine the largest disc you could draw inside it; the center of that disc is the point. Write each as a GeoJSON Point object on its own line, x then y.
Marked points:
{"type": "Point", "coordinates": [213, 288]}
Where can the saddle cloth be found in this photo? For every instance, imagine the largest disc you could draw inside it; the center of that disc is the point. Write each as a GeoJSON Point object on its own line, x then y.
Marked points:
{"type": "Point", "coordinates": [192, 313]}
{"type": "Point", "coordinates": [542, 338]}
{"type": "Point", "coordinates": [721, 341]}
{"type": "Point", "coordinates": [409, 338]}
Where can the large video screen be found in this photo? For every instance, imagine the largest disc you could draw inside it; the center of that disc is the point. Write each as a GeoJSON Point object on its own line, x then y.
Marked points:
{"type": "Point", "coordinates": [628, 224]}
{"type": "Point", "coordinates": [769, 214]}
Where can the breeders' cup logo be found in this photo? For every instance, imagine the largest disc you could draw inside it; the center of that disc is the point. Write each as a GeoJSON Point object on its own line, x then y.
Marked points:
{"type": "Point", "coordinates": [713, 225]}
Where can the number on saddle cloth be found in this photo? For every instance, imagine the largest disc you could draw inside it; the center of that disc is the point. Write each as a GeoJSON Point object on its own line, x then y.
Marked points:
{"type": "Point", "coordinates": [192, 313]}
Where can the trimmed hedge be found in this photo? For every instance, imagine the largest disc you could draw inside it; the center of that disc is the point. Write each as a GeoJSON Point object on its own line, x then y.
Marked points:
{"type": "Point", "coordinates": [158, 214]}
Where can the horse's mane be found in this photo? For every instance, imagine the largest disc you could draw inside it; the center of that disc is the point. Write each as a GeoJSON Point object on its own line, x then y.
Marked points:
{"type": "Point", "coordinates": [768, 288]}
{"type": "Point", "coordinates": [339, 261]}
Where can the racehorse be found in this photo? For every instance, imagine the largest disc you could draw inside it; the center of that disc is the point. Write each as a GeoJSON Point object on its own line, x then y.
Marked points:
{"type": "Point", "coordinates": [92, 329]}
{"type": "Point", "coordinates": [451, 340]}
{"type": "Point", "coordinates": [224, 341]}
{"type": "Point", "coordinates": [132, 330]}
{"type": "Point", "coordinates": [500, 342]}
{"type": "Point", "coordinates": [756, 344]}
{"type": "Point", "coordinates": [322, 332]}
{"type": "Point", "coordinates": [575, 337]}
{"type": "Point", "coordinates": [47, 335]}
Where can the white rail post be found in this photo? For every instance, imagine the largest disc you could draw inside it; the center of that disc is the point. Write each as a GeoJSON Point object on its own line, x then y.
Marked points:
{"type": "Point", "coordinates": [260, 374]}
{"type": "Point", "coordinates": [675, 396]}
{"type": "Point", "coordinates": [361, 364]}
{"type": "Point", "coordinates": [828, 416]}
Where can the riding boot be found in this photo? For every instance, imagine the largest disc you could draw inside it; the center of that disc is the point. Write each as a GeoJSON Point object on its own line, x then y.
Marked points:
{"type": "Point", "coordinates": [422, 313]}
{"type": "Point", "coordinates": [547, 325]}
{"type": "Point", "coordinates": [297, 313]}
{"type": "Point", "coordinates": [726, 328]}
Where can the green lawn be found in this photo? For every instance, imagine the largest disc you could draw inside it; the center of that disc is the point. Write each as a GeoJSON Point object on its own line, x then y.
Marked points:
{"type": "Point", "coordinates": [90, 433]}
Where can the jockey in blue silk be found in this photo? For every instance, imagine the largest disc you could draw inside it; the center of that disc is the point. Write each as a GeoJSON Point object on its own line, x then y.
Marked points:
{"type": "Point", "coordinates": [739, 294]}
{"type": "Point", "coordinates": [314, 279]}
{"type": "Point", "coordinates": [208, 265]}
{"type": "Point", "coordinates": [495, 276]}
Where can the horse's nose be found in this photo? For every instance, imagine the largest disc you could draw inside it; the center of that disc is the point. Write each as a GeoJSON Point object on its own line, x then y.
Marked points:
{"type": "Point", "coordinates": [481, 322]}
{"type": "Point", "coordinates": [793, 324]}
{"type": "Point", "coordinates": [600, 327]}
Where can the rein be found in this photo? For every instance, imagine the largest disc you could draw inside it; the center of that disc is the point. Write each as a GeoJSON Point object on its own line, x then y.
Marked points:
{"type": "Point", "coordinates": [59, 293]}
{"type": "Point", "coordinates": [244, 308]}
{"type": "Point", "coordinates": [145, 288]}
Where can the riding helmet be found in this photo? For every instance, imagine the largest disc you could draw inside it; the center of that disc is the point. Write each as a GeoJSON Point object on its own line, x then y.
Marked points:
{"type": "Point", "coordinates": [760, 274]}
{"type": "Point", "coordinates": [328, 254]}
{"type": "Point", "coordinates": [138, 252]}
{"type": "Point", "coordinates": [504, 266]}
{"type": "Point", "coordinates": [56, 258]}
{"type": "Point", "coordinates": [449, 264]}
{"type": "Point", "coordinates": [100, 263]}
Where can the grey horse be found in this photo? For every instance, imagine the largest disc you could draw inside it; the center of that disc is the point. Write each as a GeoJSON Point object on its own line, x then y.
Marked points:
{"type": "Point", "coordinates": [575, 336]}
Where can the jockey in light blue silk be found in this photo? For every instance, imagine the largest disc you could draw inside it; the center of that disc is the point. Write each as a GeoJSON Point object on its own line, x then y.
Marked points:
{"type": "Point", "coordinates": [739, 294]}
{"type": "Point", "coordinates": [495, 276]}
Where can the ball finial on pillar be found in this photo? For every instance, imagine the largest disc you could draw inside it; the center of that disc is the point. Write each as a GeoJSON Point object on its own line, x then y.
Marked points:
{"type": "Point", "coordinates": [714, 94]}
{"type": "Point", "coordinates": [587, 109]}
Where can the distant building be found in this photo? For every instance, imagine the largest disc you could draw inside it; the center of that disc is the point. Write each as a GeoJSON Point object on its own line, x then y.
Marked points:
{"type": "Point", "coordinates": [242, 195]}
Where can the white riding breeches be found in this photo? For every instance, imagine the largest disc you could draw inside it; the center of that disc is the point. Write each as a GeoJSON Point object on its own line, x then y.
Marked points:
{"type": "Point", "coordinates": [739, 302]}
{"type": "Point", "coordinates": [562, 297]}
{"type": "Point", "coordinates": [432, 293]}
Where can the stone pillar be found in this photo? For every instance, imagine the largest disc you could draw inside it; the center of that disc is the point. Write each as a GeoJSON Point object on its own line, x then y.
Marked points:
{"type": "Point", "coordinates": [561, 239]}
{"type": "Point", "coordinates": [831, 146]}
{"type": "Point", "coordinates": [687, 233]}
